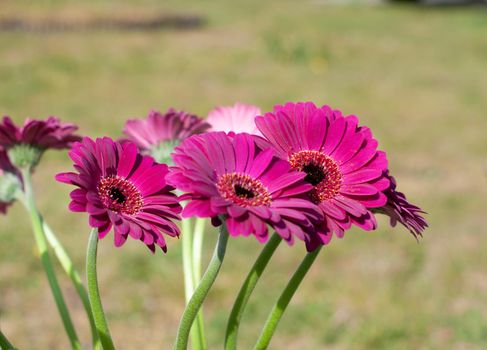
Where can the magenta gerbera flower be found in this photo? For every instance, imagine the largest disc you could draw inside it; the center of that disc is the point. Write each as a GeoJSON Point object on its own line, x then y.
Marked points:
{"type": "Point", "coordinates": [25, 144]}
{"type": "Point", "coordinates": [158, 134]}
{"type": "Point", "coordinates": [230, 178]}
{"type": "Point", "coordinates": [400, 210]}
{"type": "Point", "coordinates": [339, 159]}
{"type": "Point", "coordinates": [120, 188]}
{"type": "Point", "coordinates": [10, 182]}
{"type": "Point", "coordinates": [237, 119]}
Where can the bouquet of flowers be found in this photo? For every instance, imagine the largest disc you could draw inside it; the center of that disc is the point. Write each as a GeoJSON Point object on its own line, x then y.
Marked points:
{"type": "Point", "coordinates": [300, 173]}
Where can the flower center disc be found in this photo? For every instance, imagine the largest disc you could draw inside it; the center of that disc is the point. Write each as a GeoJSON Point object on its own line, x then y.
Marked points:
{"type": "Point", "coordinates": [119, 195]}
{"type": "Point", "coordinates": [321, 171]}
{"type": "Point", "coordinates": [243, 190]}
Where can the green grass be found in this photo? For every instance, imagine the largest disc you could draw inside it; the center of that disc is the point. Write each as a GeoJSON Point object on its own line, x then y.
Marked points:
{"type": "Point", "coordinates": [416, 76]}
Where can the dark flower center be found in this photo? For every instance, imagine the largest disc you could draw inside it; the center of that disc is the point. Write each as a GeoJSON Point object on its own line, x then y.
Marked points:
{"type": "Point", "coordinates": [321, 171]}
{"type": "Point", "coordinates": [116, 195]}
{"type": "Point", "coordinates": [119, 195]}
{"type": "Point", "coordinates": [314, 173]}
{"type": "Point", "coordinates": [243, 190]}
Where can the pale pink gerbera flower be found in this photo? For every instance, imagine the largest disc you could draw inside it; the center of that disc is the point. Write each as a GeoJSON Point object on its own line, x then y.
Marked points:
{"type": "Point", "coordinates": [339, 159]}
{"type": "Point", "coordinates": [120, 188]}
{"type": "Point", "coordinates": [231, 178]}
{"type": "Point", "coordinates": [159, 133]}
{"type": "Point", "coordinates": [237, 119]}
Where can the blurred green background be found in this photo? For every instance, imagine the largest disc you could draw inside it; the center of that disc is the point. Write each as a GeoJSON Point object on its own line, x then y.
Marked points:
{"type": "Point", "coordinates": [416, 76]}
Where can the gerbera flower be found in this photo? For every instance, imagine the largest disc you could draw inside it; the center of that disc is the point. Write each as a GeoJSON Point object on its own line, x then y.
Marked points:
{"type": "Point", "coordinates": [230, 178]}
{"type": "Point", "coordinates": [9, 182]}
{"type": "Point", "coordinates": [120, 188]}
{"type": "Point", "coordinates": [158, 134]}
{"type": "Point", "coordinates": [340, 160]}
{"type": "Point", "coordinates": [400, 210]}
{"type": "Point", "coordinates": [25, 144]}
{"type": "Point", "coordinates": [237, 119]}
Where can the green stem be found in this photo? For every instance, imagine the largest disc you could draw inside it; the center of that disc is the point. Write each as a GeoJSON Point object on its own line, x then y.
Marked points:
{"type": "Point", "coordinates": [199, 230]}
{"type": "Point", "coordinates": [189, 286]}
{"type": "Point", "coordinates": [94, 293]}
{"type": "Point", "coordinates": [4, 343]}
{"type": "Point", "coordinates": [199, 325]}
{"type": "Point", "coordinates": [187, 243]}
{"type": "Point", "coordinates": [70, 270]}
{"type": "Point", "coordinates": [202, 291]}
{"type": "Point", "coordinates": [246, 291]}
{"type": "Point", "coordinates": [283, 301]}
{"type": "Point", "coordinates": [40, 237]}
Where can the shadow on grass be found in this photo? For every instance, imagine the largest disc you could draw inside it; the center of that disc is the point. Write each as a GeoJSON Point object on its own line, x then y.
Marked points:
{"type": "Point", "coordinates": [118, 23]}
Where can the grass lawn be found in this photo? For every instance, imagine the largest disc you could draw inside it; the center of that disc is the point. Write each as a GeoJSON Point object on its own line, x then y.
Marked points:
{"type": "Point", "coordinates": [416, 76]}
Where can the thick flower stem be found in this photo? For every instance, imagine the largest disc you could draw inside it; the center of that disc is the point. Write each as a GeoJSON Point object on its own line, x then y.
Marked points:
{"type": "Point", "coordinates": [197, 337]}
{"type": "Point", "coordinates": [246, 291]}
{"type": "Point", "coordinates": [202, 290]}
{"type": "Point", "coordinates": [94, 293]}
{"type": "Point", "coordinates": [70, 270]}
{"type": "Point", "coordinates": [199, 229]}
{"type": "Point", "coordinates": [4, 343]}
{"type": "Point", "coordinates": [187, 243]}
{"type": "Point", "coordinates": [40, 237]}
{"type": "Point", "coordinates": [284, 299]}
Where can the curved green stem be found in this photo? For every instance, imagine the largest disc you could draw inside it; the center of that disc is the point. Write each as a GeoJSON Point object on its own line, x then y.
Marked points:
{"type": "Point", "coordinates": [94, 293]}
{"type": "Point", "coordinates": [284, 299]}
{"type": "Point", "coordinates": [4, 343]}
{"type": "Point", "coordinates": [202, 291]}
{"type": "Point", "coordinates": [70, 270]}
{"type": "Point", "coordinates": [40, 237]}
{"type": "Point", "coordinates": [246, 291]}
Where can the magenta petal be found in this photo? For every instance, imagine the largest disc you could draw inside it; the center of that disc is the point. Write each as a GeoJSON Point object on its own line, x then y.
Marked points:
{"type": "Point", "coordinates": [332, 210]}
{"type": "Point", "coordinates": [135, 231]}
{"type": "Point", "coordinates": [103, 230]}
{"type": "Point", "coordinates": [98, 220]}
{"type": "Point", "coordinates": [262, 161]}
{"type": "Point", "coordinates": [334, 136]}
{"type": "Point", "coordinates": [127, 160]}
{"type": "Point", "coordinates": [236, 211]}
{"type": "Point", "coordinates": [349, 205]}
{"type": "Point", "coordinates": [119, 239]}
{"type": "Point", "coordinates": [362, 176]}
{"type": "Point", "coordinates": [358, 190]}
{"type": "Point", "coordinates": [68, 178]}
{"type": "Point", "coordinates": [199, 208]}
{"type": "Point", "coordinates": [77, 206]}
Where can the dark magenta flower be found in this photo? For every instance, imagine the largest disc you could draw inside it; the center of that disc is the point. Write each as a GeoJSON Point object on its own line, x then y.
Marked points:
{"type": "Point", "coordinates": [25, 144]}
{"type": "Point", "coordinates": [400, 210]}
{"type": "Point", "coordinates": [230, 178]}
{"type": "Point", "coordinates": [120, 188]}
{"type": "Point", "coordinates": [44, 134]}
{"type": "Point", "coordinates": [158, 134]}
{"type": "Point", "coordinates": [9, 182]}
{"type": "Point", "coordinates": [237, 119]}
{"type": "Point", "coordinates": [339, 158]}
